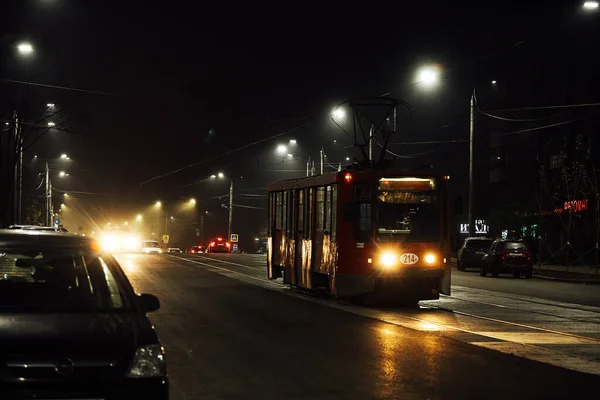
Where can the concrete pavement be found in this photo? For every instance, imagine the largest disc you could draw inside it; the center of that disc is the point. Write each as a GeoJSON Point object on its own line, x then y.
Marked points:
{"type": "Point", "coordinates": [230, 333]}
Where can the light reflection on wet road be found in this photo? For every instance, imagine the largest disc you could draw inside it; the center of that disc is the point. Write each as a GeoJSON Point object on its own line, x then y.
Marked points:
{"type": "Point", "coordinates": [226, 338]}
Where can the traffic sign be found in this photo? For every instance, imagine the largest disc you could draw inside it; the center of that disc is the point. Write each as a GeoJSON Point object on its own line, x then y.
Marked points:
{"type": "Point", "coordinates": [234, 238]}
{"type": "Point", "coordinates": [165, 238]}
{"type": "Point", "coordinates": [235, 247]}
{"type": "Point", "coordinates": [197, 233]}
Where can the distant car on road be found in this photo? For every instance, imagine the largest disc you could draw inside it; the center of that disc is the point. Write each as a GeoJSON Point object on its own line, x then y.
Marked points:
{"type": "Point", "coordinates": [58, 295]}
{"type": "Point", "coordinates": [151, 246]}
{"type": "Point", "coordinates": [508, 256]}
{"type": "Point", "coordinates": [174, 250]}
{"type": "Point", "coordinates": [471, 252]}
{"type": "Point", "coordinates": [197, 249]}
{"type": "Point", "coordinates": [219, 245]}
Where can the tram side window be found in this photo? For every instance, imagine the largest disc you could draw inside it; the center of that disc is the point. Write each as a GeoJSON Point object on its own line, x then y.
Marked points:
{"type": "Point", "coordinates": [271, 213]}
{"type": "Point", "coordinates": [284, 210]}
{"type": "Point", "coordinates": [278, 210]}
{"type": "Point", "coordinates": [334, 212]}
{"type": "Point", "coordinates": [327, 222]}
{"type": "Point", "coordinates": [365, 218]}
{"type": "Point", "coordinates": [309, 213]}
{"type": "Point", "coordinates": [290, 214]}
{"type": "Point", "coordinates": [320, 209]}
{"type": "Point", "coordinates": [301, 209]}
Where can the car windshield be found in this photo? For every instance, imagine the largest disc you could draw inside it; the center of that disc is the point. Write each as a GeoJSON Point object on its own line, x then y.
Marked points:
{"type": "Point", "coordinates": [58, 280]}
{"type": "Point", "coordinates": [151, 244]}
{"type": "Point", "coordinates": [515, 246]}
{"type": "Point", "coordinates": [478, 244]}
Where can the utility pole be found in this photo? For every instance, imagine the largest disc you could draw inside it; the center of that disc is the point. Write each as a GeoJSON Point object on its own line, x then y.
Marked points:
{"type": "Point", "coordinates": [471, 194]}
{"type": "Point", "coordinates": [308, 167]}
{"type": "Point", "coordinates": [322, 157]}
{"type": "Point", "coordinates": [49, 211]}
{"type": "Point", "coordinates": [202, 228]}
{"type": "Point", "coordinates": [371, 144]}
{"type": "Point", "coordinates": [230, 210]}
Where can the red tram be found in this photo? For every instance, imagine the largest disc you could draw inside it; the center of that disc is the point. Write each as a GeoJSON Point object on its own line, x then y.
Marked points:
{"type": "Point", "coordinates": [362, 233]}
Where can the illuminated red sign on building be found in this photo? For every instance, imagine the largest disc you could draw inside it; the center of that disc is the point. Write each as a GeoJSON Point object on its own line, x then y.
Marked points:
{"type": "Point", "coordinates": [570, 206]}
{"type": "Point", "coordinates": [576, 206]}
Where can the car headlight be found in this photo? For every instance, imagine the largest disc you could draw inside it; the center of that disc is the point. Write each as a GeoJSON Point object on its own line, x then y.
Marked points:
{"type": "Point", "coordinates": [148, 362]}
{"type": "Point", "coordinates": [430, 258]}
{"type": "Point", "coordinates": [389, 259]}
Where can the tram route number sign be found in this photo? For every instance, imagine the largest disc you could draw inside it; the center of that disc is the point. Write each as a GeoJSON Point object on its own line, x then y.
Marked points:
{"type": "Point", "coordinates": [409, 258]}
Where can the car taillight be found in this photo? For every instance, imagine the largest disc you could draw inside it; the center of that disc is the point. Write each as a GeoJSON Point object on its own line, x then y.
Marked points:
{"type": "Point", "coordinates": [228, 244]}
{"type": "Point", "coordinates": [212, 244]}
{"type": "Point", "coordinates": [193, 251]}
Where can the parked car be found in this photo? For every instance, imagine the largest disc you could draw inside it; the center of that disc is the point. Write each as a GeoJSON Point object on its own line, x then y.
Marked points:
{"type": "Point", "coordinates": [174, 250]}
{"type": "Point", "coordinates": [39, 228]}
{"type": "Point", "coordinates": [219, 245]}
{"type": "Point", "coordinates": [471, 252]}
{"type": "Point", "coordinates": [508, 256]}
{"type": "Point", "coordinates": [72, 326]}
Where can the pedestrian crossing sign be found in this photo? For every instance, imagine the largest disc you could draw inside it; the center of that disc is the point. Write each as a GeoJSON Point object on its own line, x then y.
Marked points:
{"type": "Point", "coordinates": [234, 238]}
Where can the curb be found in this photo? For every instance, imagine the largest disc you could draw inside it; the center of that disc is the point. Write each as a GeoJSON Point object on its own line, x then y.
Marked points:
{"type": "Point", "coordinates": [568, 280]}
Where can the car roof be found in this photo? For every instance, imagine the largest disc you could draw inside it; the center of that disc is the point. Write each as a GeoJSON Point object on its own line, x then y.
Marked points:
{"type": "Point", "coordinates": [43, 238]}
{"type": "Point", "coordinates": [478, 238]}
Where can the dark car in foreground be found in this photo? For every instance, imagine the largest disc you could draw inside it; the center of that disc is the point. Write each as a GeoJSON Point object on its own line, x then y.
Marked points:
{"type": "Point", "coordinates": [71, 325]}
{"type": "Point", "coordinates": [471, 252]}
{"type": "Point", "coordinates": [508, 256]}
{"type": "Point", "coordinates": [219, 245]}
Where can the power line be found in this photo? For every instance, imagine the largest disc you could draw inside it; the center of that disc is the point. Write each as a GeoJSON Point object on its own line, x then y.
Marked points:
{"type": "Point", "coordinates": [540, 127]}
{"type": "Point", "coordinates": [512, 119]}
{"type": "Point", "coordinates": [58, 87]}
{"type": "Point", "coordinates": [222, 154]}
{"type": "Point", "coordinates": [549, 107]}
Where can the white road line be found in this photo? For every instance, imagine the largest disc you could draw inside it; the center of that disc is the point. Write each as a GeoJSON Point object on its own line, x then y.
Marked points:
{"type": "Point", "coordinates": [506, 344]}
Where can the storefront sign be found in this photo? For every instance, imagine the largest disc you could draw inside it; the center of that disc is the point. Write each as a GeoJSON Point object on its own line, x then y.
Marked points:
{"type": "Point", "coordinates": [576, 206]}
{"type": "Point", "coordinates": [481, 227]}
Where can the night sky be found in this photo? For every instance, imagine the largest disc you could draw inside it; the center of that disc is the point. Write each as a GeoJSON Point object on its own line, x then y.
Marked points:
{"type": "Point", "coordinates": [171, 84]}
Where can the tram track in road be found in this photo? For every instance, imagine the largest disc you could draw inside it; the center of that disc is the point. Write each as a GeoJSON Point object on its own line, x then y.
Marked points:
{"type": "Point", "coordinates": [564, 349]}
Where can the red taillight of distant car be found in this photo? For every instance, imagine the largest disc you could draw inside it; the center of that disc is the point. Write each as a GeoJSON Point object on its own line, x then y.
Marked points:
{"type": "Point", "coordinates": [212, 244]}
{"type": "Point", "coordinates": [228, 244]}
{"type": "Point", "coordinates": [193, 251]}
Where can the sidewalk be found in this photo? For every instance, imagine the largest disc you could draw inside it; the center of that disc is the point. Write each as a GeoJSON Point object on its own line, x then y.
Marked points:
{"type": "Point", "coordinates": [561, 273]}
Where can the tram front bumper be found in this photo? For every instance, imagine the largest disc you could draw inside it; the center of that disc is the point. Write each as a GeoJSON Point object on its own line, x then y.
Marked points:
{"type": "Point", "coordinates": [415, 282]}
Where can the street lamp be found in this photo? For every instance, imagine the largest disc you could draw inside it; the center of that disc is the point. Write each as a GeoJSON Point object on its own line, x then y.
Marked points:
{"type": "Point", "coordinates": [139, 217]}
{"type": "Point", "coordinates": [50, 105]}
{"type": "Point", "coordinates": [25, 48]}
{"type": "Point", "coordinates": [293, 142]}
{"type": "Point", "coordinates": [281, 149]}
{"type": "Point", "coordinates": [591, 5]}
{"type": "Point", "coordinates": [62, 174]}
{"type": "Point", "coordinates": [158, 204]}
{"type": "Point", "coordinates": [338, 113]}
{"type": "Point", "coordinates": [220, 175]}
{"type": "Point", "coordinates": [51, 124]}
{"type": "Point", "coordinates": [64, 156]}
{"type": "Point", "coordinates": [192, 201]}
{"type": "Point", "coordinates": [428, 76]}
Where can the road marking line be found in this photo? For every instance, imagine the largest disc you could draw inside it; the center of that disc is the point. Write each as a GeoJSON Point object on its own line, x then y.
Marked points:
{"type": "Point", "coordinates": [226, 262]}
{"type": "Point", "coordinates": [528, 351]}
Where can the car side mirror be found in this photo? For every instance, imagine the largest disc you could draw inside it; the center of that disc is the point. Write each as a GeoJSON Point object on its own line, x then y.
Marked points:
{"type": "Point", "coordinates": [148, 302]}
{"type": "Point", "coordinates": [458, 205]}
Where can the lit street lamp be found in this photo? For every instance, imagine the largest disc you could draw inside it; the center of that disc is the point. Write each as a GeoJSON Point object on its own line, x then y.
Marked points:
{"type": "Point", "coordinates": [192, 201]}
{"type": "Point", "coordinates": [428, 76]}
{"type": "Point", "coordinates": [64, 157]}
{"type": "Point", "coordinates": [281, 149]}
{"type": "Point", "coordinates": [338, 113]}
{"type": "Point", "coordinates": [51, 124]}
{"type": "Point", "coordinates": [25, 48]}
{"type": "Point", "coordinates": [62, 174]}
{"type": "Point", "coordinates": [139, 217]}
{"type": "Point", "coordinates": [591, 5]}
{"type": "Point", "coordinates": [50, 105]}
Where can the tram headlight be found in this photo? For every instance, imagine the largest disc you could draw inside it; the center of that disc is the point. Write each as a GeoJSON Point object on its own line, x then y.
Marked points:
{"type": "Point", "coordinates": [430, 258]}
{"type": "Point", "coordinates": [389, 259]}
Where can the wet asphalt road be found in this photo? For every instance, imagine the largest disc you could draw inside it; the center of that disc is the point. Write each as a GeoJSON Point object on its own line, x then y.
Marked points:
{"type": "Point", "coordinates": [229, 339]}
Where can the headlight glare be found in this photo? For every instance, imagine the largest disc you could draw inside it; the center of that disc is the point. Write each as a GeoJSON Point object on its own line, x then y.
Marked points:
{"type": "Point", "coordinates": [430, 258]}
{"type": "Point", "coordinates": [389, 259]}
{"type": "Point", "coordinates": [148, 362]}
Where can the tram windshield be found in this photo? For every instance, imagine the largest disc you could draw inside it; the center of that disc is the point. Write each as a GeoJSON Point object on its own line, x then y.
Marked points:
{"type": "Point", "coordinates": [408, 209]}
